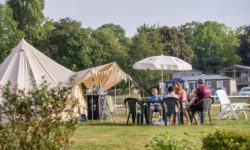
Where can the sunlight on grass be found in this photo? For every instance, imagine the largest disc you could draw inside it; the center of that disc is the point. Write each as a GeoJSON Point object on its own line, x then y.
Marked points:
{"type": "Point", "coordinates": [108, 135]}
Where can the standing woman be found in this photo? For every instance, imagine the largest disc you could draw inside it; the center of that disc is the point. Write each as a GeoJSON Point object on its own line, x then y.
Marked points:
{"type": "Point", "coordinates": [183, 98]}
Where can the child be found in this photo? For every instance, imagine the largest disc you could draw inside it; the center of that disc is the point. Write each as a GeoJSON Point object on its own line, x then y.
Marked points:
{"type": "Point", "coordinates": [155, 107]}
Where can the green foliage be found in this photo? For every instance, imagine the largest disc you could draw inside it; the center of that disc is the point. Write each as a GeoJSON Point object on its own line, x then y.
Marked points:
{"type": "Point", "coordinates": [146, 43]}
{"type": "Point", "coordinates": [71, 45]}
{"type": "Point", "coordinates": [113, 43]}
{"type": "Point", "coordinates": [167, 142]}
{"type": "Point", "coordinates": [29, 15]}
{"type": "Point", "coordinates": [175, 43]}
{"type": "Point", "coordinates": [212, 39]}
{"type": "Point", "coordinates": [189, 29]}
{"type": "Point", "coordinates": [43, 43]}
{"type": "Point", "coordinates": [244, 49]}
{"type": "Point", "coordinates": [9, 34]}
{"type": "Point", "coordinates": [225, 140]}
{"type": "Point", "coordinates": [41, 118]}
{"type": "Point", "coordinates": [118, 31]}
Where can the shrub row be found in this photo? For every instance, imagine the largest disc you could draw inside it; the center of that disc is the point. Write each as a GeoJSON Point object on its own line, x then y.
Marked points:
{"type": "Point", "coordinates": [219, 140]}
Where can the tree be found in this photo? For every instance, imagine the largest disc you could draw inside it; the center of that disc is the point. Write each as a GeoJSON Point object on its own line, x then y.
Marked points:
{"type": "Point", "coordinates": [71, 45]}
{"type": "Point", "coordinates": [212, 39]}
{"type": "Point", "coordinates": [175, 43]}
{"type": "Point", "coordinates": [118, 31]}
{"type": "Point", "coordinates": [43, 43]}
{"type": "Point", "coordinates": [244, 49]}
{"type": "Point", "coordinates": [113, 42]}
{"type": "Point", "coordinates": [9, 34]}
{"type": "Point", "coordinates": [29, 15]}
{"type": "Point", "coordinates": [146, 42]}
{"type": "Point", "coordinates": [189, 29]}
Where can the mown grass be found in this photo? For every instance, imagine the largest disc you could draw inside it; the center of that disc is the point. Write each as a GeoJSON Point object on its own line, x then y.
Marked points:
{"type": "Point", "coordinates": [107, 135]}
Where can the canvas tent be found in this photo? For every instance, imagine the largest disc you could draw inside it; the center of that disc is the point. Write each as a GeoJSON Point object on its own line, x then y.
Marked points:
{"type": "Point", "coordinates": [108, 75]}
{"type": "Point", "coordinates": [25, 64]}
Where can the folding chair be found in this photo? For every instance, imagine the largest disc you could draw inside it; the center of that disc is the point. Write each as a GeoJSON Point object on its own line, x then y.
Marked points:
{"type": "Point", "coordinates": [228, 108]}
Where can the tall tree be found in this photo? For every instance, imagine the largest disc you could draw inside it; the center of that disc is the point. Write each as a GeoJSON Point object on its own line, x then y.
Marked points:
{"type": "Point", "coordinates": [146, 42]}
{"type": "Point", "coordinates": [44, 41]}
{"type": "Point", "coordinates": [189, 29]}
{"type": "Point", "coordinates": [9, 34]}
{"type": "Point", "coordinates": [175, 43]}
{"type": "Point", "coordinates": [71, 45]}
{"type": "Point", "coordinates": [118, 31]}
{"type": "Point", "coordinates": [113, 42]}
{"type": "Point", "coordinates": [244, 49]}
{"type": "Point", "coordinates": [29, 15]}
{"type": "Point", "coordinates": [214, 46]}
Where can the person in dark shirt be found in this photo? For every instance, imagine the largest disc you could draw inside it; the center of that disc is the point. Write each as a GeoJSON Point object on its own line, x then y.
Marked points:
{"type": "Point", "coordinates": [201, 92]}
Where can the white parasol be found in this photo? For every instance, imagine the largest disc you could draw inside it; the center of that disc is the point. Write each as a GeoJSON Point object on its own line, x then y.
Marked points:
{"type": "Point", "coordinates": [162, 62]}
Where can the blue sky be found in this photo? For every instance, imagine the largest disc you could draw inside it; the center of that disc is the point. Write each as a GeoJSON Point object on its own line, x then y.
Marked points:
{"type": "Point", "coordinates": [130, 14]}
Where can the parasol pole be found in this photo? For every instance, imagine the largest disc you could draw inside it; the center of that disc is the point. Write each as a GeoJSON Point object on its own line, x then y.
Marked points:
{"type": "Point", "coordinates": [162, 68]}
{"type": "Point", "coordinates": [161, 75]}
{"type": "Point", "coordinates": [161, 79]}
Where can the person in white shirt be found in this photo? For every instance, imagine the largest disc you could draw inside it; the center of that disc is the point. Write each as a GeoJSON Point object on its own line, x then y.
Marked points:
{"type": "Point", "coordinates": [171, 93]}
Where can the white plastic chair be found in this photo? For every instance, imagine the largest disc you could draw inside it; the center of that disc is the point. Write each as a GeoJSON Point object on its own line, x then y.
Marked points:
{"type": "Point", "coordinates": [228, 108]}
{"type": "Point", "coordinates": [114, 109]}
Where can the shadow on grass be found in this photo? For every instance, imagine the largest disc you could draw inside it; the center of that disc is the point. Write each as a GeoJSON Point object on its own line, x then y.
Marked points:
{"type": "Point", "coordinates": [106, 123]}
{"type": "Point", "coordinates": [226, 122]}
{"type": "Point", "coordinates": [101, 123]}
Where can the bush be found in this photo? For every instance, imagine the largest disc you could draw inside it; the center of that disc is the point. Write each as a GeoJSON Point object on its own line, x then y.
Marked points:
{"type": "Point", "coordinates": [40, 119]}
{"type": "Point", "coordinates": [226, 140]}
{"type": "Point", "coordinates": [167, 142]}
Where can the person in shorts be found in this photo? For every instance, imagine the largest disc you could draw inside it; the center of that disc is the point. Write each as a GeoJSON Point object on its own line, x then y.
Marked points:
{"type": "Point", "coordinates": [155, 107]}
{"type": "Point", "coordinates": [182, 97]}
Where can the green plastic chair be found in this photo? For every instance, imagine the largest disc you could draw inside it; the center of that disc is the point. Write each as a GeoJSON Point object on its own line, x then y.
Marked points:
{"type": "Point", "coordinates": [133, 104]}
{"type": "Point", "coordinates": [169, 108]}
{"type": "Point", "coordinates": [207, 102]}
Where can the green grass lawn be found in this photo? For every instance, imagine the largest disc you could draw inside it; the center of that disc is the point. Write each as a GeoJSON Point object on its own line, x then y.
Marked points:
{"type": "Point", "coordinates": [107, 135]}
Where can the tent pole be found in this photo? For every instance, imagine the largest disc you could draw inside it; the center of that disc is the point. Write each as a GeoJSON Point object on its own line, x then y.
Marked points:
{"type": "Point", "coordinates": [115, 94]}
{"type": "Point", "coordinates": [115, 84]}
{"type": "Point", "coordinates": [129, 88]}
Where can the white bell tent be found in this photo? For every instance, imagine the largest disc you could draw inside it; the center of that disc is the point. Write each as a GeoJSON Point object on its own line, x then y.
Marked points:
{"type": "Point", "coordinates": [26, 65]}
